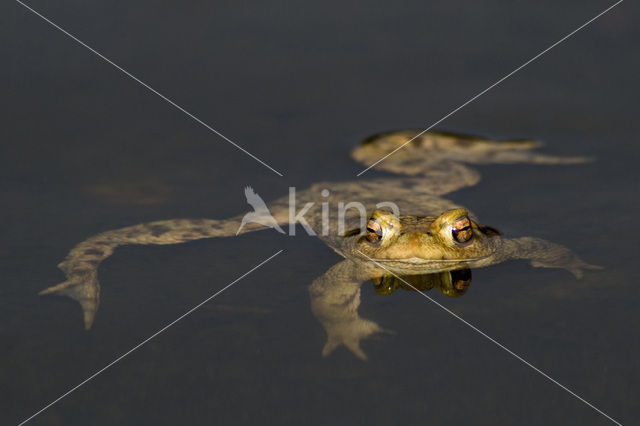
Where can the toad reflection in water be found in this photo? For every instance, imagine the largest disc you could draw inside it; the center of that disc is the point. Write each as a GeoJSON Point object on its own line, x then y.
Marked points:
{"type": "Point", "coordinates": [437, 237]}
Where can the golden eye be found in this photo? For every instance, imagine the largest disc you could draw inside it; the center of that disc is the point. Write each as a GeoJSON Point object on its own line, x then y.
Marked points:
{"type": "Point", "coordinates": [374, 231]}
{"type": "Point", "coordinates": [462, 230]}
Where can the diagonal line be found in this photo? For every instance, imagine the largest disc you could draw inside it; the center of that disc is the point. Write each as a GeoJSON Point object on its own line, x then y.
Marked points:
{"type": "Point", "coordinates": [151, 89]}
{"type": "Point", "coordinates": [495, 84]}
{"type": "Point", "coordinates": [148, 339]}
{"type": "Point", "coordinates": [482, 333]}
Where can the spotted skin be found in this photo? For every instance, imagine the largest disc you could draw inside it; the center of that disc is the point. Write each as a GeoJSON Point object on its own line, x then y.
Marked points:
{"type": "Point", "coordinates": [81, 264]}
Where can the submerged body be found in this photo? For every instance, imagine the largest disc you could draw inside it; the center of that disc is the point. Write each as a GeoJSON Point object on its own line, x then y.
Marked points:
{"type": "Point", "coordinates": [432, 236]}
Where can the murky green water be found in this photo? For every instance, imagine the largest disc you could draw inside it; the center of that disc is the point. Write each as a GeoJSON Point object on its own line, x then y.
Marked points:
{"type": "Point", "coordinates": [85, 149]}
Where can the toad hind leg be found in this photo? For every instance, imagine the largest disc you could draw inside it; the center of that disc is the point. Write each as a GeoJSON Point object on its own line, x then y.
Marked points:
{"type": "Point", "coordinates": [81, 264]}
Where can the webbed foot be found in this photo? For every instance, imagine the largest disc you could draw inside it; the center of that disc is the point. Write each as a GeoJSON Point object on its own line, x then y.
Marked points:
{"type": "Point", "coordinates": [350, 336]}
{"type": "Point", "coordinates": [83, 288]}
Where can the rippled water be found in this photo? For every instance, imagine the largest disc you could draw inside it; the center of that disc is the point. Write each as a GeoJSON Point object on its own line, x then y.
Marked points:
{"type": "Point", "coordinates": [86, 149]}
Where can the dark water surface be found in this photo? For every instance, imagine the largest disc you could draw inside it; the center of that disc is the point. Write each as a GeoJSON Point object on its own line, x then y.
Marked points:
{"type": "Point", "coordinates": [85, 149]}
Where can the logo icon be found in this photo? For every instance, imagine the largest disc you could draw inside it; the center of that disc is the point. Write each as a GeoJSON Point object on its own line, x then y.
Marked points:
{"type": "Point", "coordinates": [260, 213]}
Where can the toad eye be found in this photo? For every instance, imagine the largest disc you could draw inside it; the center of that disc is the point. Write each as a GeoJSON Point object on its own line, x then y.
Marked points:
{"type": "Point", "coordinates": [374, 231]}
{"type": "Point", "coordinates": [461, 230]}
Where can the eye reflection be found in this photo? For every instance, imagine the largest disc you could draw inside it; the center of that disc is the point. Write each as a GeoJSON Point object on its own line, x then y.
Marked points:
{"type": "Point", "coordinates": [461, 280]}
{"type": "Point", "coordinates": [385, 284]}
{"type": "Point", "coordinates": [449, 283]}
